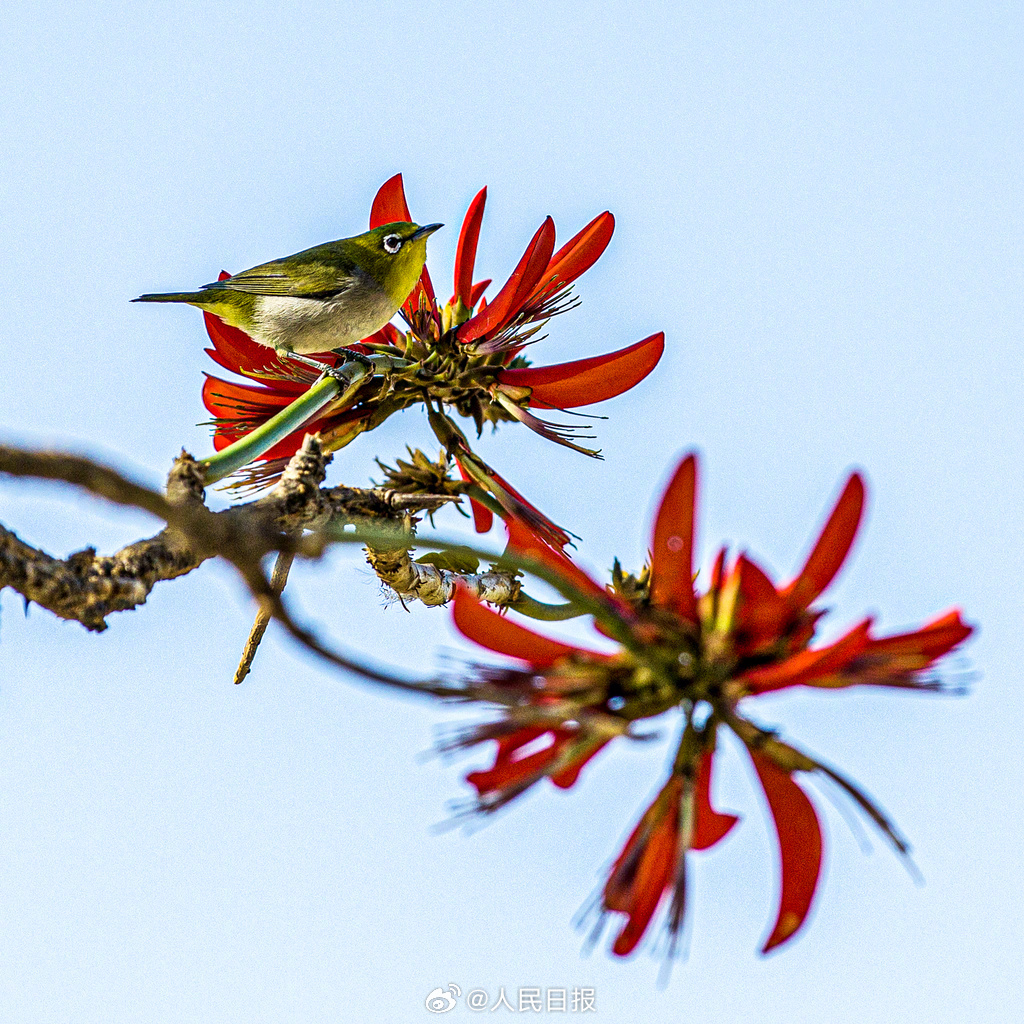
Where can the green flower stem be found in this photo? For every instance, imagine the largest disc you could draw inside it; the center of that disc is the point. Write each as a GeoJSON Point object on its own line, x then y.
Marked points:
{"type": "Point", "coordinates": [583, 604]}
{"type": "Point", "coordinates": [533, 609]}
{"type": "Point", "coordinates": [264, 437]}
{"type": "Point", "coordinates": [325, 391]}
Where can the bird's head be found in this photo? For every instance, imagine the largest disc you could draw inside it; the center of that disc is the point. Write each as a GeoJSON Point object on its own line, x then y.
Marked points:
{"type": "Point", "coordinates": [393, 255]}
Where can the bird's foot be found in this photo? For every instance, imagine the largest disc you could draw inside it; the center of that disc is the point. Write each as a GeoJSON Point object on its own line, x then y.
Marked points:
{"type": "Point", "coordinates": [354, 356]}
{"type": "Point", "coordinates": [325, 369]}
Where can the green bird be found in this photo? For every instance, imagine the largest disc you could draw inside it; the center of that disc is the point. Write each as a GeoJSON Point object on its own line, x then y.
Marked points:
{"type": "Point", "coordinates": [322, 298]}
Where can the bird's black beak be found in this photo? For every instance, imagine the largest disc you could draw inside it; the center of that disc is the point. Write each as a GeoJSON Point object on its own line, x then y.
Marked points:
{"type": "Point", "coordinates": [428, 229]}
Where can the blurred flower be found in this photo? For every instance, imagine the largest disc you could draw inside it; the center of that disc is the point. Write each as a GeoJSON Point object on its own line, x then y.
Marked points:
{"type": "Point", "coordinates": [705, 653]}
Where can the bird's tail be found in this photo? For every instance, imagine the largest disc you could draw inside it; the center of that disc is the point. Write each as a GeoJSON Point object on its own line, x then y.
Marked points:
{"type": "Point", "coordinates": [193, 297]}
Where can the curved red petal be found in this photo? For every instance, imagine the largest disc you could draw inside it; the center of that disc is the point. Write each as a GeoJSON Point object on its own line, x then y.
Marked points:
{"type": "Point", "coordinates": [234, 349]}
{"type": "Point", "coordinates": [585, 381]}
{"type": "Point", "coordinates": [477, 294]}
{"type": "Point", "coordinates": [513, 741]}
{"type": "Point", "coordinates": [580, 253]}
{"type": "Point", "coordinates": [389, 204]}
{"type": "Point", "coordinates": [640, 892]}
{"type": "Point", "coordinates": [465, 255]}
{"type": "Point", "coordinates": [930, 642]}
{"type": "Point", "coordinates": [483, 517]}
{"type": "Point", "coordinates": [672, 544]}
{"type": "Point", "coordinates": [718, 571]}
{"type": "Point", "coordinates": [517, 509]}
{"type": "Point", "coordinates": [232, 338]}
{"type": "Point", "coordinates": [567, 776]}
{"type": "Point", "coordinates": [800, 847]}
{"type": "Point", "coordinates": [423, 287]}
{"type": "Point", "coordinates": [709, 827]}
{"type": "Point", "coordinates": [524, 542]}
{"type": "Point", "coordinates": [516, 289]}
{"type": "Point", "coordinates": [762, 613]}
{"type": "Point", "coordinates": [488, 629]}
{"type": "Point", "coordinates": [237, 352]}
{"type": "Point", "coordinates": [506, 772]}
{"type": "Point", "coordinates": [898, 660]}
{"type": "Point", "coordinates": [808, 666]}
{"type": "Point", "coordinates": [389, 334]}
{"type": "Point", "coordinates": [230, 401]}
{"type": "Point", "coordinates": [656, 871]}
{"type": "Point", "coordinates": [832, 547]}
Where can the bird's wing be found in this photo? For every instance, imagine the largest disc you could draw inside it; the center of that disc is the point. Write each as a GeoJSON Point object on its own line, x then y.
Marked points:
{"type": "Point", "coordinates": [301, 278]}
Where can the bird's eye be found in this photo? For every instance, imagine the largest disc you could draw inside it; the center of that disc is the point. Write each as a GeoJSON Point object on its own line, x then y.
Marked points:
{"type": "Point", "coordinates": [392, 243]}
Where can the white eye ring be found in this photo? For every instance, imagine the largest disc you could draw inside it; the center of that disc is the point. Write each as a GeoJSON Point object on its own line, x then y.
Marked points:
{"type": "Point", "coordinates": [392, 243]}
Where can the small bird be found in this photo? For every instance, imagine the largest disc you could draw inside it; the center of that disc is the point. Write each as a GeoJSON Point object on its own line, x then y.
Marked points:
{"type": "Point", "coordinates": [322, 298]}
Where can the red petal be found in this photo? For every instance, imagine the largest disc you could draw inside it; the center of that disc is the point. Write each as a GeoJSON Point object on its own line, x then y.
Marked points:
{"type": "Point", "coordinates": [488, 629]}
{"type": "Point", "coordinates": [389, 204]}
{"type": "Point", "coordinates": [800, 845]}
{"type": "Point", "coordinates": [230, 401]}
{"type": "Point", "coordinates": [808, 666]}
{"type": "Point", "coordinates": [237, 352]}
{"type": "Point", "coordinates": [507, 772]}
{"type": "Point", "coordinates": [672, 545]}
{"type": "Point", "coordinates": [423, 287]}
{"type": "Point", "coordinates": [389, 334]}
{"type": "Point", "coordinates": [930, 642]}
{"type": "Point", "coordinates": [762, 614]}
{"type": "Point", "coordinates": [522, 541]}
{"type": "Point", "coordinates": [465, 255]}
{"type": "Point", "coordinates": [585, 381]}
{"type": "Point", "coordinates": [709, 827]}
{"type": "Point", "coordinates": [518, 508]}
{"type": "Point", "coordinates": [478, 290]}
{"type": "Point", "coordinates": [483, 517]}
{"type": "Point", "coordinates": [654, 871]}
{"type": "Point", "coordinates": [718, 570]}
{"type": "Point", "coordinates": [513, 741]}
{"type": "Point", "coordinates": [517, 288]}
{"type": "Point", "coordinates": [580, 253]}
{"type": "Point", "coordinates": [657, 867]}
{"type": "Point", "coordinates": [832, 547]}
{"type": "Point", "coordinates": [568, 776]}
{"type": "Point", "coordinates": [509, 745]}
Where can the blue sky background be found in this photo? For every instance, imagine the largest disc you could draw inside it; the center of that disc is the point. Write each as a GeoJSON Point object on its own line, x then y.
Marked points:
{"type": "Point", "coordinates": [821, 206]}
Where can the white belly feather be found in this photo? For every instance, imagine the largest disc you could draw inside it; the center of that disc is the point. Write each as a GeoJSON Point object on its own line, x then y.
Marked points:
{"type": "Point", "coordinates": [319, 325]}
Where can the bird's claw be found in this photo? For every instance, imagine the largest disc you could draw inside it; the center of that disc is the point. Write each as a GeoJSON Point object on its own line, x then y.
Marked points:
{"type": "Point", "coordinates": [354, 356]}
{"type": "Point", "coordinates": [326, 370]}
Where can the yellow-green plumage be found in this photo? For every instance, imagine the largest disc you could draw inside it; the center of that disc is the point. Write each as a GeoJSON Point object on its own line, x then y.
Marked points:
{"type": "Point", "coordinates": [322, 298]}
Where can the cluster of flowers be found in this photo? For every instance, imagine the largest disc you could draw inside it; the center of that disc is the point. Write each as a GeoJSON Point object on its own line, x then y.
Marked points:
{"type": "Point", "coordinates": [466, 356]}
{"type": "Point", "coordinates": [704, 654]}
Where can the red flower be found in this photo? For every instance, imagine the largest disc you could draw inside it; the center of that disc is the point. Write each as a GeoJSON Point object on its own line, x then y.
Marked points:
{"type": "Point", "coordinates": [466, 355]}
{"type": "Point", "coordinates": [704, 653]}
{"type": "Point", "coordinates": [493, 334]}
